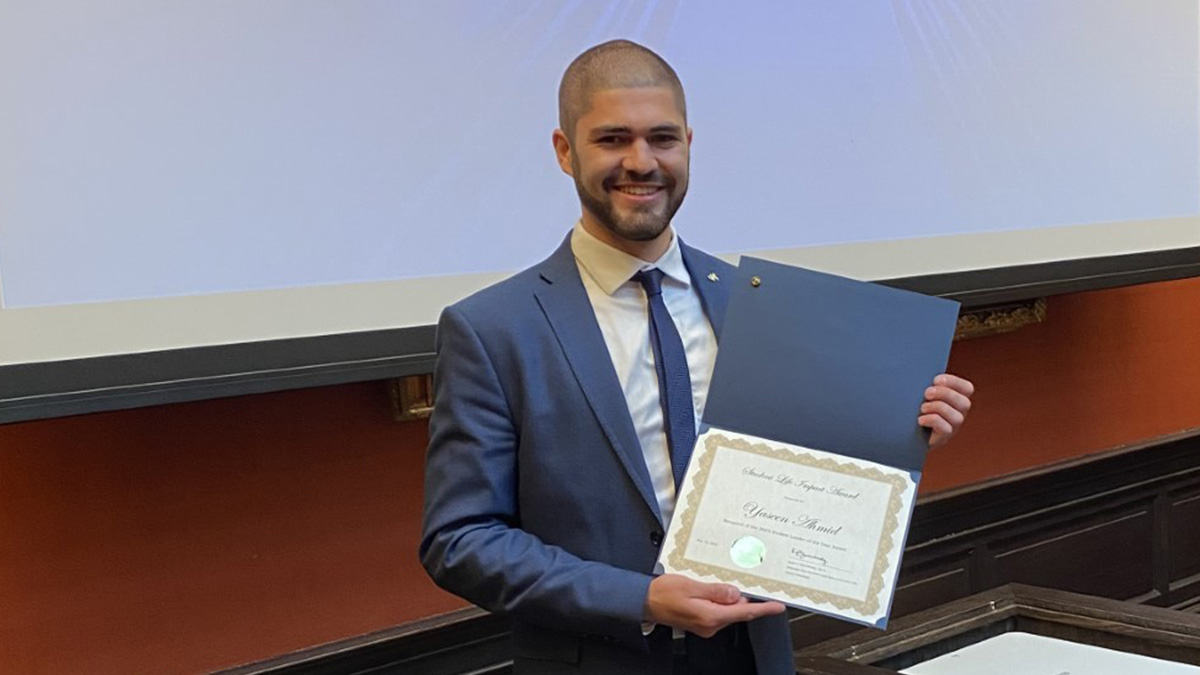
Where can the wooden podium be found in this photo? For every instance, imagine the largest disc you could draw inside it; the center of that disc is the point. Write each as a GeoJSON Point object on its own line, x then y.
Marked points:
{"type": "Point", "coordinates": [1112, 624]}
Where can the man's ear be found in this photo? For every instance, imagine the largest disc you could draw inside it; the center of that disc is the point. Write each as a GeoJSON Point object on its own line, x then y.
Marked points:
{"type": "Point", "coordinates": [562, 150]}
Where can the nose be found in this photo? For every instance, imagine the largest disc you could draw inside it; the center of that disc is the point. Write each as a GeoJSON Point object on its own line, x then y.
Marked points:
{"type": "Point", "coordinates": [640, 158]}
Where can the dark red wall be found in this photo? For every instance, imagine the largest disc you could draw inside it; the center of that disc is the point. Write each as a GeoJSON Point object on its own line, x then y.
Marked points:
{"type": "Point", "coordinates": [1107, 368]}
{"type": "Point", "coordinates": [194, 537]}
{"type": "Point", "coordinates": [188, 538]}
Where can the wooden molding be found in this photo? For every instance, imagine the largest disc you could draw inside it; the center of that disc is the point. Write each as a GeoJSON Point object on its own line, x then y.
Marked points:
{"type": "Point", "coordinates": [468, 640]}
{"type": "Point", "coordinates": [411, 397]}
{"type": "Point", "coordinates": [1121, 626]}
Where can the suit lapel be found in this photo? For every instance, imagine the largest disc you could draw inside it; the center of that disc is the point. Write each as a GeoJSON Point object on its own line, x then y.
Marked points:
{"type": "Point", "coordinates": [565, 303]}
{"type": "Point", "coordinates": [713, 288]}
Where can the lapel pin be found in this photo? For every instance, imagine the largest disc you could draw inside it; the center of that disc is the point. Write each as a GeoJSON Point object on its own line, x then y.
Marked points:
{"type": "Point", "coordinates": [712, 276]}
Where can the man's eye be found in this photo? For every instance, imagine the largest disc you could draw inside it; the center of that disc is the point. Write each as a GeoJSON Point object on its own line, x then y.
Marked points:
{"type": "Point", "coordinates": [664, 139]}
{"type": "Point", "coordinates": [608, 140]}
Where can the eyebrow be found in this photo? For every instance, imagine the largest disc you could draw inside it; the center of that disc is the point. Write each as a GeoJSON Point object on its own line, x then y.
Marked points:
{"type": "Point", "coordinates": [616, 129]}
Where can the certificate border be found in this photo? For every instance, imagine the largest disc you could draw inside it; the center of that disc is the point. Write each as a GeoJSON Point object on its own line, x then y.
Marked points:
{"type": "Point", "coordinates": [870, 605]}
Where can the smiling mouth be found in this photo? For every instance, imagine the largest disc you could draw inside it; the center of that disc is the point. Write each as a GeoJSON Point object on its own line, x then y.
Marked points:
{"type": "Point", "coordinates": [638, 190]}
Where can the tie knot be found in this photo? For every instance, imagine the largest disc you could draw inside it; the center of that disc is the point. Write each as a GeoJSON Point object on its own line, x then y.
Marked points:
{"type": "Point", "coordinates": [651, 280]}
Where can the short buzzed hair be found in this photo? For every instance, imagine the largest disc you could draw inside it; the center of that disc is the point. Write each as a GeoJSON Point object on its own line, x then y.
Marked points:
{"type": "Point", "coordinates": [617, 64]}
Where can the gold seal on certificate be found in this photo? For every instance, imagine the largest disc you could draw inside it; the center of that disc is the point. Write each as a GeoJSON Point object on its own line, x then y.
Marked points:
{"type": "Point", "coordinates": [809, 528]}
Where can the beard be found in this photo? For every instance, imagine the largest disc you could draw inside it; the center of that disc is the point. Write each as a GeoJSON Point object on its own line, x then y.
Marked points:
{"type": "Point", "coordinates": [639, 224]}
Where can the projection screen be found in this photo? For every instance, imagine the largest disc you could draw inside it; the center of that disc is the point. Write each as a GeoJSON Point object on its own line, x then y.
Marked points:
{"type": "Point", "coordinates": [180, 174]}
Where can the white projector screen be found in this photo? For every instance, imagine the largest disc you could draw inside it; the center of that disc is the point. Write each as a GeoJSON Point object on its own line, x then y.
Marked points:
{"type": "Point", "coordinates": [178, 173]}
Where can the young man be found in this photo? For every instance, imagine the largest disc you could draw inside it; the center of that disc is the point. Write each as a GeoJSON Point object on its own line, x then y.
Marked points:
{"type": "Point", "coordinates": [549, 478]}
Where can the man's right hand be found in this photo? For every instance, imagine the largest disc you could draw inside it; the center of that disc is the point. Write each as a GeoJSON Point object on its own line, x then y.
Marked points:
{"type": "Point", "coordinates": [701, 608]}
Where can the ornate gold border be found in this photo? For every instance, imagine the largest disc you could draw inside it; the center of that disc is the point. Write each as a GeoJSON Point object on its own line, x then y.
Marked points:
{"type": "Point", "coordinates": [745, 579]}
{"type": "Point", "coordinates": [997, 319]}
{"type": "Point", "coordinates": [411, 397]}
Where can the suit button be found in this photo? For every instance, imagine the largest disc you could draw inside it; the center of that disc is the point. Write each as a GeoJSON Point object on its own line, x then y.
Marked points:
{"type": "Point", "coordinates": [656, 538]}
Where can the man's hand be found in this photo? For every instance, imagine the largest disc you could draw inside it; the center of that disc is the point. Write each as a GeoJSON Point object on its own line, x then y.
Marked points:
{"type": "Point", "coordinates": [945, 407]}
{"type": "Point", "coordinates": [701, 608]}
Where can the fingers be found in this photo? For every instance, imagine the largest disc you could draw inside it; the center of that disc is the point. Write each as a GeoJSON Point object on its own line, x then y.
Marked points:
{"type": "Point", "coordinates": [720, 616]}
{"type": "Point", "coordinates": [959, 384]}
{"type": "Point", "coordinates": [723, 594]}
{"type": "Point", "coordinates": [950, 396]}
{"type": "Point", "coordinates": [946, 412]}
{"type": "Point", "coordinates": [749, 611]}
{"type": "Point", "coordinates": [935, 423]}
{"type": "Point", "coordinates": [946, 405]}
{"type": "Point", "coordinates": [942, 420]}
{"type": "Point", "coordinates": [701, 608]}
{"type": "Point", "coordinates": [678, 601]}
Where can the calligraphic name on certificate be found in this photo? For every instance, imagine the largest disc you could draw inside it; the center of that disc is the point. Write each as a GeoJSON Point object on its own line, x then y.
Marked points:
{"type": "Point", "coordinates": [808, 528]}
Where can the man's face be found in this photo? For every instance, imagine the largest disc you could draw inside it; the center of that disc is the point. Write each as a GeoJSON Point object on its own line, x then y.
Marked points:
{"type": "Point", "coordinates": [629, 159]}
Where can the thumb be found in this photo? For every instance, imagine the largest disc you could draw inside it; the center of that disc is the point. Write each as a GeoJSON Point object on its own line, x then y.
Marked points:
{"type": "Point", "coordinates": [723, 594]}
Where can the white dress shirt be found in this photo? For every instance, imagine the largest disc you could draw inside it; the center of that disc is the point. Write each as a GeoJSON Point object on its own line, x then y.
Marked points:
{"type": "Point", "coordinates": [621, 310]}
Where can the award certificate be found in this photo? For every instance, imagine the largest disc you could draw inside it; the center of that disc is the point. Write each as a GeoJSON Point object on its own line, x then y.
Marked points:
{"type": "Point", "coordinates": [808, 528]}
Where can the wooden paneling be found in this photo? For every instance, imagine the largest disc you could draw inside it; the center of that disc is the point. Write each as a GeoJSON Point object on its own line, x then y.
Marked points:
{"type": "Point", "coordinates": [1109, 556]}
{"type": "Point", "coordinates": [924, 588]}
{"type": "Point", "coordinates": [1185, 536]}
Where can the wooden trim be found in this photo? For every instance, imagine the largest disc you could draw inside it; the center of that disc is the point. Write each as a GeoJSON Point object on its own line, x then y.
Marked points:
{"type": "Point", "coordinates": [1138, 629]}
{"type": "Point", "coordinates": [464, 641]}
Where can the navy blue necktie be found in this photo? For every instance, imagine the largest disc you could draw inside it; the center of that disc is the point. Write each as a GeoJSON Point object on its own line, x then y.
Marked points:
{"type": "Point", "coordinates": [674, 381]}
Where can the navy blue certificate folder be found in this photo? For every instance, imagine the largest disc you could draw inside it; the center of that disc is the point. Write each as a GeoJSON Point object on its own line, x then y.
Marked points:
{"type": "Point", "coordinates": [828, 363]}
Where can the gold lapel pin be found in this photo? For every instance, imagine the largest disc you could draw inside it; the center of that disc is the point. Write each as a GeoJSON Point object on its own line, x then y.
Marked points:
{"type": "Point", "coordinates": [755, 281]}
{"type": "Point", "coordinates": [712, 276]}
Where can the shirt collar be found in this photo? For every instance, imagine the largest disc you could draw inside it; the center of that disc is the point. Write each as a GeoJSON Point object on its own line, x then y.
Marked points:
{"type": "Point", "coordinates": [610, 267]}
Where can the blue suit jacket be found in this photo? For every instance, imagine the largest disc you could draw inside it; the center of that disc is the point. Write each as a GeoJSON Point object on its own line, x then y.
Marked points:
{"type": "Point", "coordinates": [538, 502]}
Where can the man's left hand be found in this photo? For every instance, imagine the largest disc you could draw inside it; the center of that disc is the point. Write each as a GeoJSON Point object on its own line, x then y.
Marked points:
{"type": "Point", "coordinates": [945, 407]}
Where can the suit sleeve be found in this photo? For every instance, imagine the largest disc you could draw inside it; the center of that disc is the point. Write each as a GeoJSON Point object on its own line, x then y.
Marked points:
{"type": "Point", "coordinates": [472, 543]}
